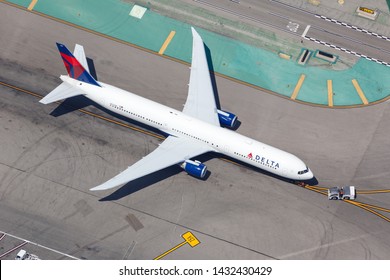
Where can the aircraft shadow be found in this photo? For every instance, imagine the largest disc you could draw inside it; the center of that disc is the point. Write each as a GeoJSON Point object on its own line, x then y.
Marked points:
{"type": "Point", "coordinates": [92, 69]}
{"type": "Point", "coordinates": [70, 105]}
{"type": "Point", "coordinates": [212, 76]}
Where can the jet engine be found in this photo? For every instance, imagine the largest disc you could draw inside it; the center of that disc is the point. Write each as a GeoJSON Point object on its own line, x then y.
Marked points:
{"type": "Point", "coordinates": [227, 119]}
{"type": "Point", "coordinates": [194, 168]}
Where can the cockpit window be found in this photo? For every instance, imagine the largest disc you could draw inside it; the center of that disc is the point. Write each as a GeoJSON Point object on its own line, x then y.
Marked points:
{"type": "Point", "coordinates": [303, 171]}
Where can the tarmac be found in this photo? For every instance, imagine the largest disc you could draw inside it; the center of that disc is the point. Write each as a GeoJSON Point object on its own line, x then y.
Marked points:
{"type": "Point", "coordinates": [245, 62]}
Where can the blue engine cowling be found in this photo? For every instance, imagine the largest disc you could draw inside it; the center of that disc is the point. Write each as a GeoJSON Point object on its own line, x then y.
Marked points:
{"type": "Point", "coordinates": [195, 168]}
{"type": "Point", "coordinates": [227, 119]}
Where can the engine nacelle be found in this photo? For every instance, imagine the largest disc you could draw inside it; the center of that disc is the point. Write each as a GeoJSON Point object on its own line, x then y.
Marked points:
{"type": "Point", "coordinates": [194, 168]}
{"type": "Point", "coordinates": [227, 119]}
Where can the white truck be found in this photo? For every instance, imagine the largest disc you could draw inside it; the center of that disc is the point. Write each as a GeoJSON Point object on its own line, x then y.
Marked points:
{"type": "Point", "coordinates": [341, 193]}
{"type": "Point", "coordinates": [23, 255]}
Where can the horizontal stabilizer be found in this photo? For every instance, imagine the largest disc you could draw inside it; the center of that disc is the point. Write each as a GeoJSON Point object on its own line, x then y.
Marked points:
{"type": "Point", "coordinates": [63, 91]}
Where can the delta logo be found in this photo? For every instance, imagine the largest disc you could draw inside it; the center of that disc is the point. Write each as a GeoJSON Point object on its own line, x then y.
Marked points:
{"type": "Point", "coordinates": [264, 161]}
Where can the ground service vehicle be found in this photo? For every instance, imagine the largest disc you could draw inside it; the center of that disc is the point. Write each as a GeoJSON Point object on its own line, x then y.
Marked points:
{"type": "Point", "coordinates": [21, 255]}
{"type": "Point", "coordinates": [339, 193]}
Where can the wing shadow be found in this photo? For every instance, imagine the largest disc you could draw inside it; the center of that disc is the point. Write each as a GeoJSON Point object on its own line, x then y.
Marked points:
{"type": "Point", "coordinates": [214, 84]}
{"type": "Point", "coordinates": [212, 75]}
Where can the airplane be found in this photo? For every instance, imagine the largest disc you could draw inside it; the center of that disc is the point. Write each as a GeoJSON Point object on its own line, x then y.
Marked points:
{"type": "Point", "coordinates": [200, 128]}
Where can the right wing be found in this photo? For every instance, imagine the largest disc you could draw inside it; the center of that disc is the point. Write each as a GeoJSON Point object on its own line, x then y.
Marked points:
{"type": "Point", "coordinates": [200, 100]}
{"type": "Point", "coordinates": [172, 151]}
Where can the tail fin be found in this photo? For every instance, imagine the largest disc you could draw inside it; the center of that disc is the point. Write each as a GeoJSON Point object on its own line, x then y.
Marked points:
{"type": "Point", "coordinates": [74, 67]}
{"type": "Point", "coordinates": [79, 54]}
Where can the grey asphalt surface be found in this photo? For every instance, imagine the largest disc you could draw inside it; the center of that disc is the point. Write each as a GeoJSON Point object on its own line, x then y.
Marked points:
{"type": "Point", "coordinates": [278, 15]}
{"type": "Point", "coordinates": [48, 164]}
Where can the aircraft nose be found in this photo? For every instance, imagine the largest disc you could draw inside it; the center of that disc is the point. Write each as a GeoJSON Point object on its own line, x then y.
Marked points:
{"type": "Point", "coordinates": [306, 176]}
{"type": "Point", "coordinates": [309, 175]}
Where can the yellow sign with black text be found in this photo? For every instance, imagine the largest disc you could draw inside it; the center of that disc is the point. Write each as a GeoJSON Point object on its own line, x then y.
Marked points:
{"type": "Point", "coordinates": [367, 10]}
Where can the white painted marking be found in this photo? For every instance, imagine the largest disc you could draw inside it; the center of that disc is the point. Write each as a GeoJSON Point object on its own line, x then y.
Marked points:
{"type": "Point", "coordinates": [293, 26]}
{"type": "Point", "coordinates": [137, 11]}
{"type": "Point", "coordinates": [13, 249]}
{"type": "Point", "coordinates": [306, 30]}
{"type": "Point", "coordinates": [39, 245]}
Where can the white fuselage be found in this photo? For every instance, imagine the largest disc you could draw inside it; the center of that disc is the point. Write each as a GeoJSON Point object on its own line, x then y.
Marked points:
{"type": "Point", "coordinates": [177, 123]}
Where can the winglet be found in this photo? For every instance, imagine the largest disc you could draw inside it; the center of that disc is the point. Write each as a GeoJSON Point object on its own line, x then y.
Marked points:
{"type": "Point", "coordinates": [79, 54]}
{"type": "Point", "coordinates": [195, 34]}
{"type": "Point", "coordinates": [105, 186]}
{"type": "Point", "coordinates": [74, 67]}
{"type": "Point", "coordinates": [112, 183]}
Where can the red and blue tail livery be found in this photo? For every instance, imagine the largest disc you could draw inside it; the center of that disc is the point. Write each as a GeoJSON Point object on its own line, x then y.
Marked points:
{"type": "Point", "coordinates": [74, 67]}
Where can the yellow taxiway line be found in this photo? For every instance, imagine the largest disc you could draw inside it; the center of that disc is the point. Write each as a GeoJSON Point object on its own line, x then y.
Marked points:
{"type": "Point", "coordinates": [32, 5]}
{"type": "Point", "coordinates": [372, 191]}
{"type": "Point", "coordinates": [298, 87]}
{"type": "Point", "coordinates": [314, 189]}
{"type": "Point", "coordinates": [330, 93]}
{"type": "Point", "coordinates": [374, 207]}
{"type": "Point", "coordinates": [368, 208]}
{"type": "Point", "coordinates": [319, 188]}
{"type": "Point", "coordinates": [171, 250]}
{"type": "Point", "coordinates": [89, 113]}
{"type": "Point", "coordinates": [166, 43]}
{"type": "Point", "coordinates": [360, 92]}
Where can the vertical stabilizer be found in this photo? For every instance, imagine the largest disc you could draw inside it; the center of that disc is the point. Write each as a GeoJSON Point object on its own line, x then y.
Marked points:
{"type": "Point", "coordinates": [75, 69]}
{"type": "Point", "coordinates": [79, 54]}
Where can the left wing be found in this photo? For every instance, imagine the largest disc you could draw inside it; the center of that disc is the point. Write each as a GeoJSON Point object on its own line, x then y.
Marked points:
{"type": "Point", "coordinates": [200, 102]}
{"type": "Point", "coordinates": [172, 151]}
